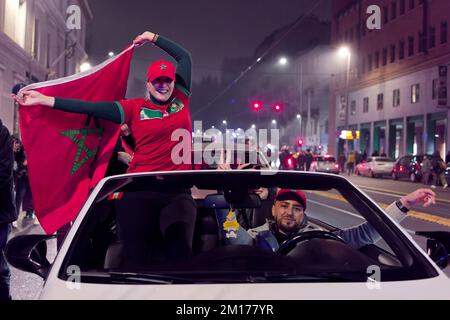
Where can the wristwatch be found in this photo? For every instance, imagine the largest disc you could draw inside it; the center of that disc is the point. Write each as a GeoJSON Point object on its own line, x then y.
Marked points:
{"type": "Point", "coordinates": [401, 207]}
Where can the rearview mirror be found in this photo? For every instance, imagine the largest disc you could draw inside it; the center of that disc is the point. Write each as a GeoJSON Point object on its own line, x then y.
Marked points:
{"type": "Point", "coordinates": [438, 246]}
{"type": "Point", "coordinates": [29, 253]}
{"type": "Point", "coordinates": [220, 201]}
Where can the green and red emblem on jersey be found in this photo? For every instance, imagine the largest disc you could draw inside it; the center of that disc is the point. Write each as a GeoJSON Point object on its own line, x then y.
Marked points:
{"type": "Point", "coordinates": [147, 114]}
{"type": "Point", "coordinates": [175, 106]}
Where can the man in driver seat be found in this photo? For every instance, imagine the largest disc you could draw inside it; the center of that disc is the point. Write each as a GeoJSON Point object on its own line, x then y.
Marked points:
{"type": "Point", "coordinates": [289, 219]}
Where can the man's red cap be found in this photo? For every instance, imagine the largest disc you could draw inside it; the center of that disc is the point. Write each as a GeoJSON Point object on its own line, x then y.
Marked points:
{"type": "Point", "coordinates": [290, 194]}
{"type": "Point", "coordinates": [161, 68]}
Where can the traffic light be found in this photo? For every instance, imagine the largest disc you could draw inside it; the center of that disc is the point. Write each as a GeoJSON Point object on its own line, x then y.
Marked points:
{"type": "Point", "coordinates": [300, 142]}
{"type": "Point", "coordinates": [277, 107]}
{"type": "Point", "coordinates": [256, 105]}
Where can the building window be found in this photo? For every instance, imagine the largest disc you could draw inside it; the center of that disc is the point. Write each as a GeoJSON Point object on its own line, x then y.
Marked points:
{"type": "Point", "coordinates": [377, 59]}
{"type": "Point", "coordinates": [15, 20]}
{"type": "Point", "coordinates": [366, 105]}
{"type": "Point", "coordinates": [385, 15]}
{"type": "Point", "coordinates": [393, 10]}
{"type": "Point", "coordinates": [434, 93]}
{"type": "Point", "coordinates": [353, 107]}
{"type": "Point", "coordinates": [444, 31]}
{"type": "Point", "coordinates": [35, 43]}
{"type": "Point", "coordinates": [432, 38]}
{"type": "Point", "coordinates": [420, 43]}
{"type": "Point", "coordinates": [402, 6]}
{"type": "Point", "coordinates": [380, 100]}
{"type": "Point", "coordinates": [415, 88]}
{"type": "Point", "coordinates": [396, 98]}
{"type": "Point", "coordinates": [401, 49]}
{"type": "Point", "coordinates": [48, 50]}
{"type": "Point", "coordinates": [410, 46]}
{"type": "Point", "coordinates": [411, 4]}
{"type": "Point", "coordinates": [385, 54]}
{"type": "Point", "coordinates": [393, 53]}
{"type": "Point", "coordinates": [369, 62]}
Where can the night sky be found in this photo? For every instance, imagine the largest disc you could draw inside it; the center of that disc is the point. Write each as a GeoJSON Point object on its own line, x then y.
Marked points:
{"type": "Point", "coordinates": [210, 29]}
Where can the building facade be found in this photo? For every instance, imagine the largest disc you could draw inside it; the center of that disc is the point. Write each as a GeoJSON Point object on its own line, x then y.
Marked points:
{"type": "Point", "coordinates": [395, 90]}
{"type": "Point", "coordinates": [36, 44]}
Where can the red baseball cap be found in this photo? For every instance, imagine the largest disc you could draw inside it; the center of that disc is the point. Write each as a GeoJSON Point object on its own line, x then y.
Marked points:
{"type": "Point", "coordinates": [161, 68]}
{"type": "Point", "coordinates": [291, 194]}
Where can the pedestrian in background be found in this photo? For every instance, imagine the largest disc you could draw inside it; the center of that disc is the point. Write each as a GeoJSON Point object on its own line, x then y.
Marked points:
{"type": "Point", "coordinates": [351, 163]}
{"type": "Point", "coordinates": [342, 160]}
{"type": "Point", "coordinates": [438, 170]}
{"type": "Point", "coordinates": [308, 159]}
{"type": "Point", "coordinates": [426, 170]}
{"type": "Point", "coordinates": [8, 212]}
{"type": "Point", "coordinates": [24, 196]}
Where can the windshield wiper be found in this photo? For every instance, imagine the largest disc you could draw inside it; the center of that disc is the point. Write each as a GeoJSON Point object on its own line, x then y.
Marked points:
{"type": "Point", "coordinates": [320, 276]}
{"type": "Point", "coordinates": [133, 277]}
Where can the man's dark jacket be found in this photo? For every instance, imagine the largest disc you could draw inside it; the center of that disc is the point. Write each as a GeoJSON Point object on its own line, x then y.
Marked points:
{"type": "Point", "coordinates": [7, 208]}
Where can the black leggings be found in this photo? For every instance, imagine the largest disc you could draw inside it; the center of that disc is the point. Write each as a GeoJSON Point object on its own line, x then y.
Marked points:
{"type": "Point", "coordinates": [144, 216]}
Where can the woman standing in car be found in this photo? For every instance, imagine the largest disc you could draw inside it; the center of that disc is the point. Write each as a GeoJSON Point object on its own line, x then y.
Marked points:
{"type": "Point", "coordinates": [152, 121]}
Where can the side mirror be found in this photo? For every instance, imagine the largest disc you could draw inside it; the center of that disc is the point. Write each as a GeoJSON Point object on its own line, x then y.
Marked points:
{"type": "Point", "coordinates": [29, 253]}
{"type": "Point", "coordinates": [438, 246]}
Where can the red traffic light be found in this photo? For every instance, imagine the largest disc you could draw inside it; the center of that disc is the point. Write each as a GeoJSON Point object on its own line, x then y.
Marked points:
{"type": "Point", "coordinates": [256, 105]}
{"type": "Point", "coordinates": [300, 142]}
{"type": "Point", "coordinates": [277, 107]}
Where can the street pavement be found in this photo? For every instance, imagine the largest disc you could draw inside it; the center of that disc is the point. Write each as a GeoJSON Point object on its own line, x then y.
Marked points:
{"type": "Point", "coordinates": [383, 191]}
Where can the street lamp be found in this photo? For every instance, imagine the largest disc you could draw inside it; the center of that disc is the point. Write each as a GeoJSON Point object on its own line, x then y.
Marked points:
{"type": "Point", "coordinates": [253, 126]}
{"type": "Point", "coordinates": [283, 61]}
{"type": "Point", "coordinates": [344, 52]}
{"type": "Point", "coordinates": [110, 54]}
{"type": "Point", "coordinates": [224, 122]}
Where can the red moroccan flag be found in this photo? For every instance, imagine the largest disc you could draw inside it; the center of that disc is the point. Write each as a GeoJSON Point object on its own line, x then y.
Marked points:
{"type": "Point", "coordinates": [68, 153]}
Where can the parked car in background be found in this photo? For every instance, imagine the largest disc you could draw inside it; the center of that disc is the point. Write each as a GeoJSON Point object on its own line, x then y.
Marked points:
{"type": "Point", "coordinates": [409, 167]}
{"type": "Point", "coordinates": [375, 167]}
{"type": "Point", "coordinates": [325, 163]}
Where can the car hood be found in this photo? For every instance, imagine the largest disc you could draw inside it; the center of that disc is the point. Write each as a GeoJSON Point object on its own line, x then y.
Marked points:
{"type": "Point", "coordinates": [432, 288]}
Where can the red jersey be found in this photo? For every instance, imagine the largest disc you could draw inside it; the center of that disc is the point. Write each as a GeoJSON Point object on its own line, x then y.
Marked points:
{"type": "Point", "coordinates": [152, 126]}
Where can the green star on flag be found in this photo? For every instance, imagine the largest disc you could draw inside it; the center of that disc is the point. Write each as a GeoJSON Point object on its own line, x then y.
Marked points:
{"type": "Point", "coordinates": [77, 163]}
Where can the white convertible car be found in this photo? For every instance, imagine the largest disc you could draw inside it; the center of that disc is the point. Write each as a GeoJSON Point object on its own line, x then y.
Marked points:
{"type": "Point", "coordinates": [316, 264]}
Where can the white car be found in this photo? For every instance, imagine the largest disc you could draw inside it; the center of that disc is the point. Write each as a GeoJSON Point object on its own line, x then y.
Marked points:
{"type": "Point", "coordinates": [325, 163]}
{"type": "Point", "coordinates": [375, 167]}
{"type": "Point", "coordinates": [316, 264]}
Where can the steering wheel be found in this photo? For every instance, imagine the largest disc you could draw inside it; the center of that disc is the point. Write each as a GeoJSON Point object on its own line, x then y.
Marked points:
{"type": "Point", "coordinates": [290, 244]}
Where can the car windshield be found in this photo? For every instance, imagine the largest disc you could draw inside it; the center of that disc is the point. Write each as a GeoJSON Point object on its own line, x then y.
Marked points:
{"type": "Point", "coordinates": [326, 159]}
{"type": "Point", "coordinates": [384, 160]}
{"type": "Point", "coordinates": [224, 251]}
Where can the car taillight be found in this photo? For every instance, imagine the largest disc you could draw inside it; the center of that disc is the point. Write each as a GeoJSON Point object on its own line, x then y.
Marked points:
{"type": "Point", "coordinates": [401, 169]}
